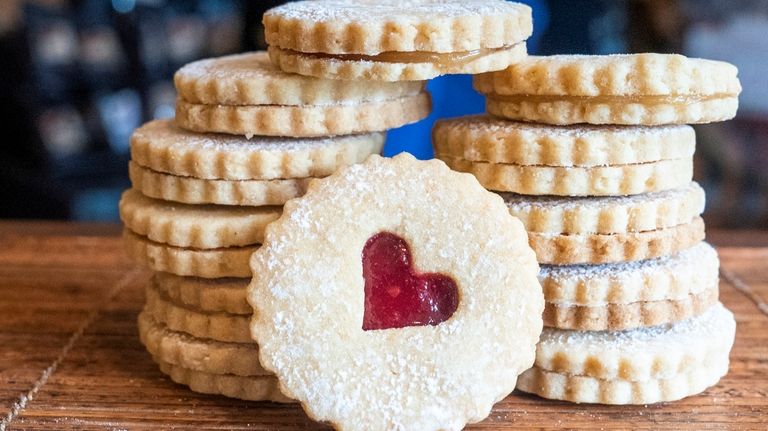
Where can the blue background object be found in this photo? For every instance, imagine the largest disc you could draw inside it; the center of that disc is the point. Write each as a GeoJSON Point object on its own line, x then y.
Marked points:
{"type": "Point", "coordinates": [453, 96]}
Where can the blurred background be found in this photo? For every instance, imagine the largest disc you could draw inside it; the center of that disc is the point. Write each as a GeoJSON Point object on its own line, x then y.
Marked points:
{"type": "Point", "coordinates": [77, 76]}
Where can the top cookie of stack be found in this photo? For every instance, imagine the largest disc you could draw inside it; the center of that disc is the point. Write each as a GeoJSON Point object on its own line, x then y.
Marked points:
{"type": "Point", "coordinates": [400, 40]}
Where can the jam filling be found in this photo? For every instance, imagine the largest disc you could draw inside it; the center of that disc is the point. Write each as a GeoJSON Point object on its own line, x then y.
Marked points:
{"type": "Point", "coordinates": [395, 295]}
{"type": "Point", "coordinates": [672, 99]}
{"type": "Point", "coordinates": [445, 59]}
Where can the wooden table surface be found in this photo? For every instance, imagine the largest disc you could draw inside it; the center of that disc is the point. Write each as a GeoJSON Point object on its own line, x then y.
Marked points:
{"type": "Point", "coordinates": [70, 357]}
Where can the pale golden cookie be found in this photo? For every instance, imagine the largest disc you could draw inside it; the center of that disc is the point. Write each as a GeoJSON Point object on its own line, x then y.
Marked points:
{"type": "Point", "coordinates": [251, 388]}
{"type": "Point", "coordinates": [303, 120]}
{"type": "Point", "coordinates": [208, 356]}
{"type": "Point", "coordinates": [598, 248]}
{"type": "Point", "coordinates": [231, 328]}
{"type": "Point", "coordinates": [226, 295]}
{"type": "Point", "coordinates": [195, 226]}
{"type": "Point", "coordinates": [190, 190]}
{"type": "Point", "coordinates": [396, 40]}
{"type": "Point", "coordinates": [163, 147]}
{"type": "Point", "coordinates": [617, 317]}
{"type": "Point", "coordinates": [578, 181]}
{"type": "Point", "coordinates": [607, 214]}
{"type": "Point", "coordinates": [674, 277]}
{"type": "Point", "coordinates": [251, 79]}
{"type": "Point", "coordinates": [633, 89]}
{"type": "Point", "coordinates": [361, 334]}
{"type": "Point", "coordinates": [483, 138]}
{"type": "Point", "coordinates": [206, 263]}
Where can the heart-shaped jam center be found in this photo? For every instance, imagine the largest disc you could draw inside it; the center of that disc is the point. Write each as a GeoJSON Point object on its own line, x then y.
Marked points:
{"type": "Point", "coordinates": [395, 296]}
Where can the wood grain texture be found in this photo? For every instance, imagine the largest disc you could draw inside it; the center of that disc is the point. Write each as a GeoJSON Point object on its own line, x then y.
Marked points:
{"type": "Point", "coordinates": [69, 297]}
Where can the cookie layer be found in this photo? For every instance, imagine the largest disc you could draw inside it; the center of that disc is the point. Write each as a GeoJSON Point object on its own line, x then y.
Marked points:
{"type": "Point", "coordinates": [483, 138]}
{"type": "Point", "coordinates": [211, 263]}
{"type": "Point", "coordinates": [163, 147]}
{"type": "Point", "coordinates": [195, 226]}
{"type": "Point", "coordinates": [341, 68]}
{"type": "Point", "coordinates": [251, 388]}
{"type": "Point", "coordinates": [596, 248]}
{"type": "Point", "coordinates": [186, 351]}
{"type": "Point", "coordinates": [577, 181]}
{"type": "Point", "coordinates": [251, 79]}
{"type": "Point", "coordinates": [376, 26]}
{"type": "Point", "coordinates": [607, 214]}
{"type": "Point", "coordinates": [231, 328]}
{"type": "Point", "coordinates": [304, 120]}
{"type": "Point", "coordinates": [218, 295]}
{"type": "Point", "coordinates": [190, 190]}
{"type": "Point", "coordinates": [617, 317]}
{"type": "Point", "coordinates": [640, 354]}
{"type": "Point", "coordinates": [674, 277]}
{"type": "Point", "coordinates": [437, 376]}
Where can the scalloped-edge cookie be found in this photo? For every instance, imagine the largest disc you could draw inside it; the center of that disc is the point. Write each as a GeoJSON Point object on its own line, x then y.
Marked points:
{"type": "Point", "coordinates": [607, 214]}
{"type": "Point", "coordinates": [190, 190]}
{"type": "Point", "coordinates": [397, 40]}
{"type": "Point", "coordinates": [208, 356]}
{"type": "Point", "coordinates": [225, 295]}
{"type": "Point", "coordinates": [161, 146]}
{"type": "Point", "coordinates": [303, 120]}
{"type": "Point", "coordinates": [557, 249]}
{"type": "Point", "coordinates": [618, 317]}
{"type": "Point", "coordinates": [578, 181]}
{"type": "Point", "coordinates": [483, 138]}
{"type": "Point", "coordinates": [251, 79]}
{"type": "Point", "coordinates": [225, 327]}
{"type": "Point", "coordinates": [657, 352]}
{"type": "Point", "coordinates": [250, 388]}
{"type": "Point", "coordinates": [632, 89]}
{"type": "Point", "coordinates": [195, 226]}
{"type": "Point", "coordinates": [359, 335]}
{"type": "Point", "coordinates": [206, 263]}
{"type": "Point", "coordinates": [673, 277]}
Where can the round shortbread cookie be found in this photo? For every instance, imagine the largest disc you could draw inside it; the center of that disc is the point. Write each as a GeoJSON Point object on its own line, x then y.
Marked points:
{"type": "Point", "coordinates": [557, 249]}
{"type": "Point", "coordinates": [647, 89]}
{"type": "Point", "coordinates": [367, 68]}
{"type": "Point", "coordinates": [225, 295]}
{"type": "Point", "coordinates": [607, 214]}
{"type": "Point", "coordinates": [183, 350]}
{"type": "Point", "coordinates": [578, 181]}
{"type": "Point", "coordinates": [225, 327]}
{"type": "Point", "coordinates": [251, 388]}
{"type": "Point", "coordinates": [617, 317]}
{"type": "Point", "coordinates": [163, 147]}
{"type": "Point", "coordinates": [337, 342]}
{"type": "Point", "coordinates": [251, 79]}
{"type": "Point", "coordinates": [672, 277]}
{"type": "Point", "coordinates": [640, 354]}
{"type": "Point", "coordinates": [195, 226]}
{"type": "Point", "coordinates": [210, 263]}
{"type": "Point", "coordinates": [190, 190]}
{"type": "Point", "coordinates": [482, 138]}
{"type": "Point", "coordinates": [303, 120]}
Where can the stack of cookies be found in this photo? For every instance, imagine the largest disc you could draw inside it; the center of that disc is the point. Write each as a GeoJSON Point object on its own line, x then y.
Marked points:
{"type": "Point", "coordinates": [247, 137]}
{"type": "Point", "coordinates": [593, 154]}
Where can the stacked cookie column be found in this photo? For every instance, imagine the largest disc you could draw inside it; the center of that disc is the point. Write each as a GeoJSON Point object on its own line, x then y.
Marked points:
{"type": "Point", "coordinates": [246, 139]}
{"type": "Point", "coordinates": [593, 155]}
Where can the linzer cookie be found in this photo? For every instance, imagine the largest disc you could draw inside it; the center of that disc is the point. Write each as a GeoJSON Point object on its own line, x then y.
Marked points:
{"type": "Point", "coordinates": [246, 95]}
{"type": "Point", "coordinates": [226, 295]}
{"type": "Point", "coordinates": [639, 366]}
{"type": "Point", "coordinates": [401, 40]}
{"type": "Point", "coordinates": [382, 287]}
{"type": "Point", "coordinates": [633, 89]}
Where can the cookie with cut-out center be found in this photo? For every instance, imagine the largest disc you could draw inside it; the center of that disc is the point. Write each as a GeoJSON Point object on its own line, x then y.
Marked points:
{"type": "Point", "coordinates": [631, 89]}
{"type": "Point", "coordinates": [638, 366]}
{"type": "Point", "coordinates": [385, 302]}
{"type": "Point", "coordinates": [401, 40]}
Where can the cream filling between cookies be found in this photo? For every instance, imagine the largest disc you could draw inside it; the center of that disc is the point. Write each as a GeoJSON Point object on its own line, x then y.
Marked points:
{"type": "Point", "coordinates": [442, 59]}
{"type": "Point", "coordinates": [676, 99]}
